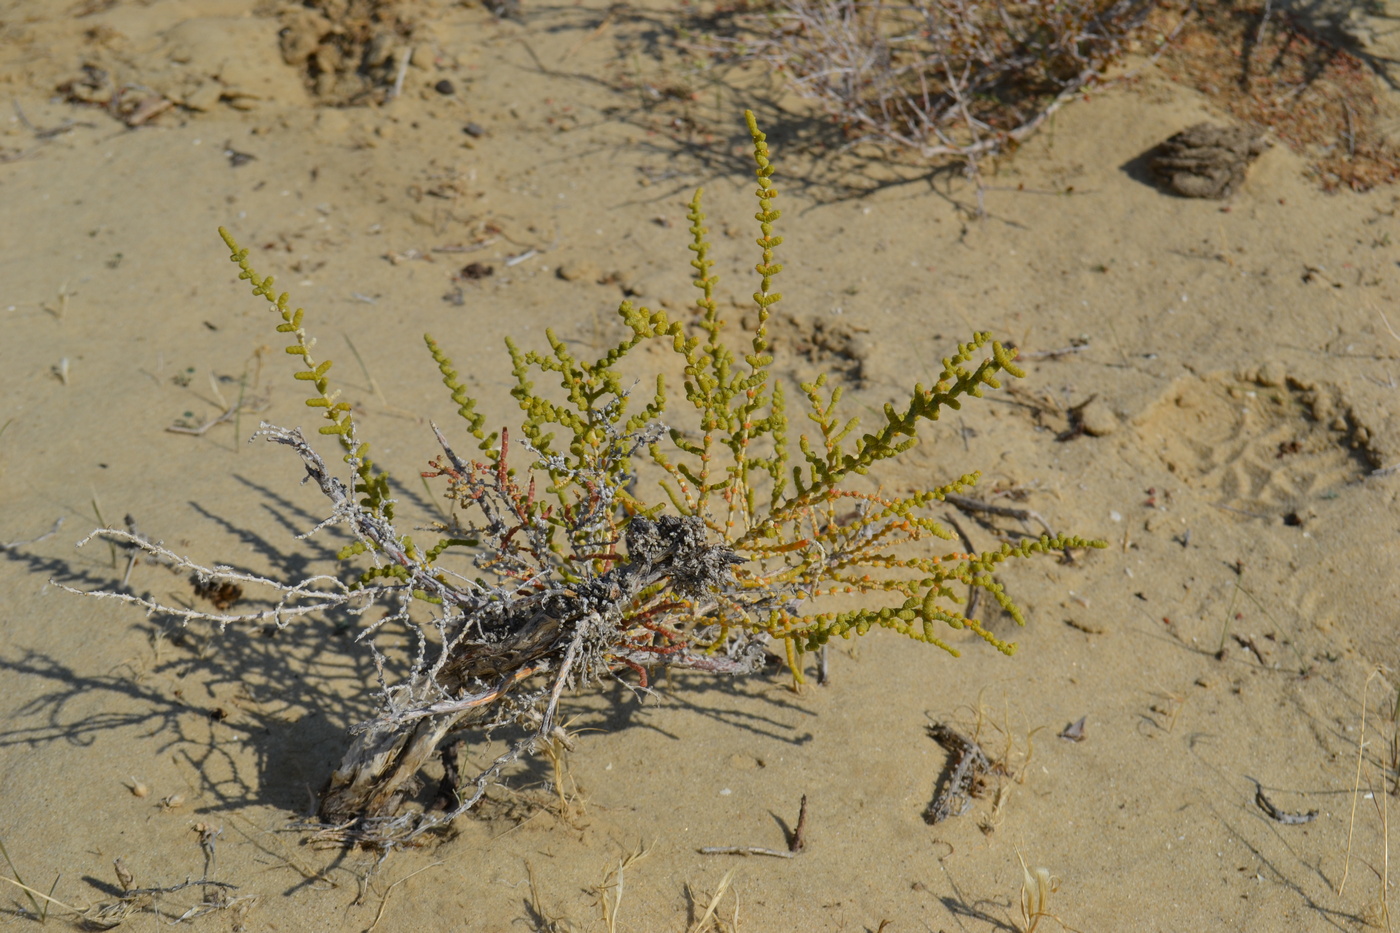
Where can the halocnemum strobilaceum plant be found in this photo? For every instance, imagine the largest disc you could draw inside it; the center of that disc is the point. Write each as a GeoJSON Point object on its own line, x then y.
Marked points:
{"type": "Point", "coordinates": [575, 572]}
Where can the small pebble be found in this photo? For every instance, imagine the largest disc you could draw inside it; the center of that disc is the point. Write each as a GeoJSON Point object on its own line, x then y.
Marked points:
{"type": "Point", "coordinates": [1098, 419]}
{"type": "Point", "coordinates": [579, 270]}
{"type": "Point", "coordinates": [445, 88]}
{"type": "Point", "coordinates": [474, 130]}
{"type": "Point", "coordinates": [1271, 373]}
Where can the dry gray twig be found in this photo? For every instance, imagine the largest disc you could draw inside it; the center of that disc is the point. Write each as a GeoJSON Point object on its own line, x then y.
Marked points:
{"type": "Point", "coordinates": [967, 766]}
{"type": "Point", "coordinates": [494, 654]}
{"type": "Point", "coordinates": [1277, 815]}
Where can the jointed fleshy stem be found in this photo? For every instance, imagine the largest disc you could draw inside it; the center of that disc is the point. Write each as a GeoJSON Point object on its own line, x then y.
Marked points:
{"type": "Point", "coordinates": [374, 485]}
{"type": "Point", "coordinates": [753, 390]}
{"type": "Point", "coordinates": [900, 431]}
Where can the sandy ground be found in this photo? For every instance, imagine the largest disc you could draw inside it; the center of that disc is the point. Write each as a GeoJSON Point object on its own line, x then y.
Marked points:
{"type": "Point", "coordinates": [1241, 373]}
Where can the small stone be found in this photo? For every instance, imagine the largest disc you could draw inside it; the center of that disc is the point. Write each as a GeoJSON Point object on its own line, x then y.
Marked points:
{"type": "Point", "coordinates": [1271, 374]}
{"type": "Point", "coordinates": [579, 270]}
{"type": "Point", "coordinates": [445, 88]}
{"type": "Point", "coordinates": [203, 96]}
{"type": "Point", "coordinates": [240, 100]}
{"type": "Point", "coordinates": [474, 130]}
{"type": "Point", "coordinates": [1098, 419]}
{"type": "Point", "coordinates": [1322, 408]}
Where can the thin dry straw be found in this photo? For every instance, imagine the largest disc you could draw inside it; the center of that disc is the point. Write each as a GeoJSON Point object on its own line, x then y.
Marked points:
{"type": "Point", "coordinates": [1356, 786]}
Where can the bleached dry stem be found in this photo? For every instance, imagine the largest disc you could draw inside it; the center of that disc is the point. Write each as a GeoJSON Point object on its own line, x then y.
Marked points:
{"type": "Point", "coordinates": [306, 597]}
{"type": "Point", "coordinates": [491, 654]}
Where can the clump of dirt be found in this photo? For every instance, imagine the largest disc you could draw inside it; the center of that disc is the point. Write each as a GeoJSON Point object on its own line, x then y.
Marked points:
{"type": "Point", "coordinates": [1268, 68]}
{"type": "Point", "coordinates": [128, 103]}
{"type": "Point", "coordinates": [349, 51]}
{"type": "Point", "coordinates": [197, 65]}
{"type": "Point", "coordinates": [1207, 161]}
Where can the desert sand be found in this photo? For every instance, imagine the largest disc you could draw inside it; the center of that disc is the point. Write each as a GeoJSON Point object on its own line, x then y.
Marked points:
{"type": "Point", "coordinates": [1240, 380]}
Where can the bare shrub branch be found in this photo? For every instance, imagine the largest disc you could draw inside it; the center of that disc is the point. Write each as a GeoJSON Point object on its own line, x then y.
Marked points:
{"type": "Point", "coordinates": [961, 78]}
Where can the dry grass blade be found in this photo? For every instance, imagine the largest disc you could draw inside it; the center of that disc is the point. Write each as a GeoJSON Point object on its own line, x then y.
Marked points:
{"type": "Point", "coordinates": [384, 901]}
{"type": "Point", "coordinates": [709, 914]}
{"type": "Point", "coordinates": [1379, 912]}
{"type": "Point", "coordinates": [611, 890]}
{"type": "Point", "coordinates": [1036, 887]}
{"type": "Point", "coordinates": [32, 893]}
{"type": "Point", "coordinates": [1356, 787]}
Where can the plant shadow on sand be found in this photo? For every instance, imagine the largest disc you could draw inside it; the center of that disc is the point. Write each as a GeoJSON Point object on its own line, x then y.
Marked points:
{"type": "Point", "coordinates": [261, 714]}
